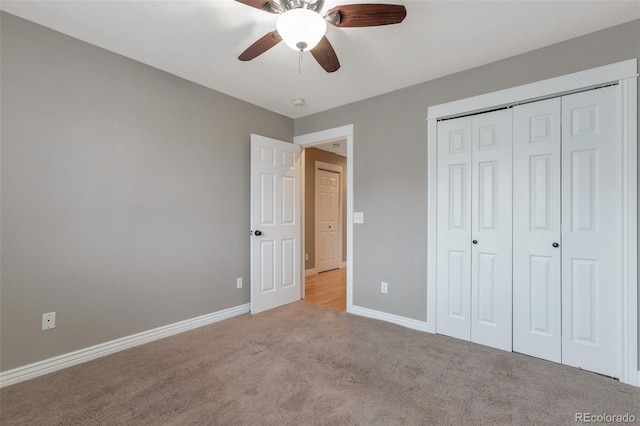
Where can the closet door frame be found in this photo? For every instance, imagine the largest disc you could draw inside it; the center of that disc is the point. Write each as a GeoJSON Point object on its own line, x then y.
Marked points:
{"type": "Point", "coordinates": [624, 74]}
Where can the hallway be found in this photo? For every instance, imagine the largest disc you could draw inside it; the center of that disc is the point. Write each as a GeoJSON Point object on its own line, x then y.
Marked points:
{"type": "Point", "coordinates": [327, 289]}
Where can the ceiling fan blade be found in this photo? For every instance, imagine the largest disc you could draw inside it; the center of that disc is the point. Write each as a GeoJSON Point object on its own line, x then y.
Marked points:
{"type": "Point", "coordinates": [266, 5]}
{"type": "Point", "coordinates": [263, 44]}
{"type": "Point", "coordinates": [326, 56]}
{"type": "Point", "coordinates": [366, 15]}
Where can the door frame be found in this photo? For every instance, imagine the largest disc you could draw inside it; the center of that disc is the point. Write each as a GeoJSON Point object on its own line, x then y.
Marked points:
{"type": "Point", "coordinates": [327, 167]}
{"type": "Point", "coordinates": [624, 74]}
{"type": "Point", "coordinates": [316, 138]}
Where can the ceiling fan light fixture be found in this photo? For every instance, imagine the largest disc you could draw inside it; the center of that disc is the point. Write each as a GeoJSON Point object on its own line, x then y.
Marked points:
{"type": "Point", "coordinates": [301, 29]}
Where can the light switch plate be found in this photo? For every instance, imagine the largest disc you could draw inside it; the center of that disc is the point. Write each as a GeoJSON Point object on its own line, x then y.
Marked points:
{"type": "Point", "coordinates": [358, 217]}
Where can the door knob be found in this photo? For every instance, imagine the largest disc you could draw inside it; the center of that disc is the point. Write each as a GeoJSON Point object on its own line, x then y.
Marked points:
{"type": "Point", "coordinates": [475, 241]}
{"type": "Point", "coordinates": [555, 245]}
{"type": "Point", "coordinates": [257, 233]}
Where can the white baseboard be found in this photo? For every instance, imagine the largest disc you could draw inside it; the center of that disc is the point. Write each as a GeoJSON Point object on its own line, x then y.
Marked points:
{"type": "Point", "coordinates": [395, 319]}
{"type": "Point", "coordinates": [50, 365]}
{"type": "Point", "coordinates": [343, 265]}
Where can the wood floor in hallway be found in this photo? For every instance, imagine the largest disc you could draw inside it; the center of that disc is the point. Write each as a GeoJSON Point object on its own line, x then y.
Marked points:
{"type": "Point", "coordinates": [328, 289]}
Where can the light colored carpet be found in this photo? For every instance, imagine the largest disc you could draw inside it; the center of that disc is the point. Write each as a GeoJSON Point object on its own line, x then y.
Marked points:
{"type": "Point", "coordinates": [304, 364]}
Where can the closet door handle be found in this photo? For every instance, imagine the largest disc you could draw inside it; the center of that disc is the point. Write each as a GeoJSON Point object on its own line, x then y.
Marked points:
{"type": "Point", "coordinates": [555, 245]}
{"type": "Point", "coordinates": [475, 241]}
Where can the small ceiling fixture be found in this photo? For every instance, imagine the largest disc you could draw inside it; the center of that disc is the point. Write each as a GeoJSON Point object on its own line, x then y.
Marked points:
{"type": "Point", "coordinates": [303, 28]}
{"type": "Point", "coordinates": [298, 102]}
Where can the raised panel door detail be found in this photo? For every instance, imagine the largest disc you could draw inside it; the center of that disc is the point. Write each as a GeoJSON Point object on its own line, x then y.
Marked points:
{"type": "Point", "coordinates": [457, 142]}
{"type": "Point", "coordinates": [584, 121]}
{"type": "Point", "coordinates": [267, 156]}
{"type": "Point", "coordinates": [584, 191]}
{"type": "Point", "coordinates": [540, 129]}
{"type": "Point", "coordinates": [540, 192]}
{"type": "Point", "coordinates": [288, 200]}
{"type": "Point", "coordinates": [288, 159]}
{"type": "Point", "coordinates": [488, 196]}
{"type": "Point", "coordinates": [288, 263]}
{"type": "Point", "coordinates": [268, 196]}
{"type": "Point", "coordinates": [540, 292]}
{"type": "Point", "coordinates": [487, 138]}
{"type": "Point", "coordinates": [267, 266]}
{"type": "Point", "coordinates": [456, 283]}
{"type": "Point", "coordinates": [333, 207]}
{"type": "Point", "coordinates": [486, 287]}
{"type": "Point", "coordinates": [457, 196]}
{"type": "Point", "coordinates": [322, 245]}
{"type": "Point", "coordinates": [584, 293]}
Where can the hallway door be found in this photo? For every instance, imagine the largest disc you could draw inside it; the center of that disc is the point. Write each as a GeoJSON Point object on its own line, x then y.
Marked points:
{"type": "Point", "coordinates": [327, 217]}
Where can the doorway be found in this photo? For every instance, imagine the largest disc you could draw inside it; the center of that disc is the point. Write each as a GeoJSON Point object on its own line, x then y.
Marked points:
{"type": "Point", "coordinates": [336, 142]}
{"type": "Point", "coordinates": [325, 210]}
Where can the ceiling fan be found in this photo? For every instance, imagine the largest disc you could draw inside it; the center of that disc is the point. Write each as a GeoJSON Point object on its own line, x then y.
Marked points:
{"type": "Point", "coordinates": [303, 28]}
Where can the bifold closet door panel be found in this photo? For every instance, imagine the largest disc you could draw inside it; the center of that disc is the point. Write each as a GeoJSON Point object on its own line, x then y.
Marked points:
{"type": "Point", "coordinates": [591, 247]}
{"type": "Point", "coordinates": [536, 230]}
{"type": "Point", "coordinates": [491, 220]}
{"type": "Point", "coordinates": [454, 228]}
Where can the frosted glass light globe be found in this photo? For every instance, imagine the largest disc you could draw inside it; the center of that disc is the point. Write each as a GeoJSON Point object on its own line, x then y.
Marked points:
{"type": "Point", "coordinates": [301, 29]}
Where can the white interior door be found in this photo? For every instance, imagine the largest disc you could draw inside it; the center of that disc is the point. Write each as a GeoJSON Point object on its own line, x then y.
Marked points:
{"type": "Point", "coordinates": [453, 291]}
{"type": "Point", "coordinates": [491, 232]}
{"type": "Point", "coordinates": [591, 246]}
{"type": "Point", "coordinates": [275, 223]}
{"type": "Point", "coordinates": [327, 217]}
{"type": "Point", "coordinates": [536, 230]}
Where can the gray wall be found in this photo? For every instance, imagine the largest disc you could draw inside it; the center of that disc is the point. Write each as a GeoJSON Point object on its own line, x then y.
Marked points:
{"type": "Point", "coordinates": [311, 155]}
{"type": "Point", "coordinates": [125, 190]}
{"type": "Point", "coordinates": [390, 160]}
{"type": "Point", "coordinates": [125, 194]}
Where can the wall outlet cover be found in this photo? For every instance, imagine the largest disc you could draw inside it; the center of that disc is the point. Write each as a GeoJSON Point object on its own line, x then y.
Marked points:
{"type": "Point", "coordinates": [48, 320]}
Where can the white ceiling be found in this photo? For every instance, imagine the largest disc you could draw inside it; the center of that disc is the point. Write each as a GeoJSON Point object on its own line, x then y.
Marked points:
{"type": "Point", "coordinates": [201, 40]}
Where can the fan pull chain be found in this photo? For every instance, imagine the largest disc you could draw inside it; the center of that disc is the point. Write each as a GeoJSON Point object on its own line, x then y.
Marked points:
{"type": "Point", "coordinates": [300, 63]}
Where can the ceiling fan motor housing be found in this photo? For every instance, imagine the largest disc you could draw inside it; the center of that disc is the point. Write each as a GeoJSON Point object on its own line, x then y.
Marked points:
{"type": "Point", "coordinates": [315, 5]}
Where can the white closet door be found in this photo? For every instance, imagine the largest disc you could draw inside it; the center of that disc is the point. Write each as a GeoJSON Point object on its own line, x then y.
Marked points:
{"type": "Point", "coordinates": [491, 254]}
{"type": "Point", "coordinates": [591, 231]}
{"type": "Point", "coordinates": [454, 228]}
{"type": "Point", "coordinates": [536, 230]}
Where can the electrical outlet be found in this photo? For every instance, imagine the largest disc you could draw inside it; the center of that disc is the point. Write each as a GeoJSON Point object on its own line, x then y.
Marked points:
{"type": "Point", "coordinates": [306, 256]}
{"type": "Point", "coordinates": [239, 282]}
{"type": "Point", "coordinates": [48, 320]}
{"type": "Point", "coordinates": [384, 287]}
{"type": "Point", "coordinates": [358, 217]}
